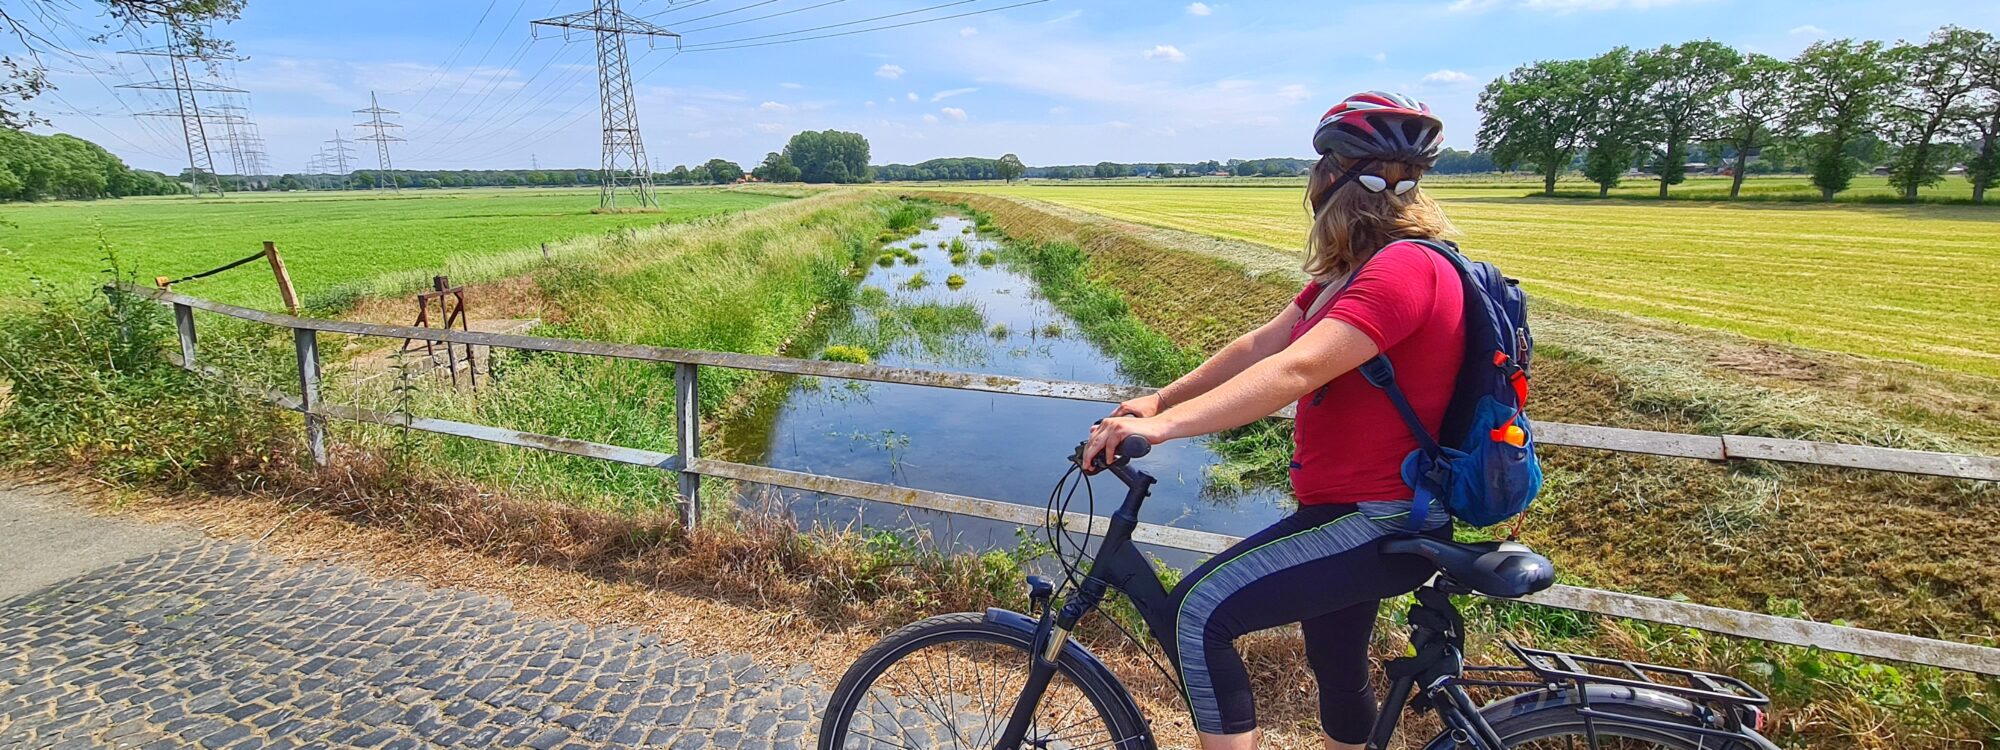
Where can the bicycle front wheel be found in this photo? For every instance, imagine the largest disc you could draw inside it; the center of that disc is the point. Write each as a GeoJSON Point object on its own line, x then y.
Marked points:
{"type": "Point", "coordinates": [951, 681]}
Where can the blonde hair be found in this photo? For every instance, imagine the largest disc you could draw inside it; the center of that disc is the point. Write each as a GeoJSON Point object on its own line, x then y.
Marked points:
{"type": "Point", "coordinates": [1350, 228]}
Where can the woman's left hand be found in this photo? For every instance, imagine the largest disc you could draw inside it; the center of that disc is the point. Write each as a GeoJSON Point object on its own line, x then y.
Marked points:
{"type": "Point", "coordinates": [1106, 436]}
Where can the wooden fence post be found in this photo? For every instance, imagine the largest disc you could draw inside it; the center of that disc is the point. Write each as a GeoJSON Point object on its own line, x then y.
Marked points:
{"type": "Point", "coordinates": [687, 424]}
{"type": "Point", "coordinates": [545, 252]}
{"type": "Point", "coordinates": [285, 289]}
{"type": "Point", "coordinates": [306, 342]}
{"type": "Point", "coordinates": [184, 321]}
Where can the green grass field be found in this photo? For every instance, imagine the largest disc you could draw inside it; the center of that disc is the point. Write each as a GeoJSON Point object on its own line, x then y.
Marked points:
{"type": "Point", "coordinates": [1920, 283]}
{"type": "Point", "coordinates": [327, 239]}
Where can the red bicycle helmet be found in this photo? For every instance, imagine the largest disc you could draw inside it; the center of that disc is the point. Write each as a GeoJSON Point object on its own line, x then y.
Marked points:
{"type": "Point", "coordinates": [1380, 126]}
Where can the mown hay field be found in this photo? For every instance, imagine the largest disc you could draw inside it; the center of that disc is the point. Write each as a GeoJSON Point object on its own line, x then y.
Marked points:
{"type": "Point", "coordinates": [328, 239]}
{"type": "Point", "coordinates": [1919, 283]}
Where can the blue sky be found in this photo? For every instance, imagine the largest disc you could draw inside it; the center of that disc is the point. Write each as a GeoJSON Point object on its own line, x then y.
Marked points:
{"type": "Point", "coordinates": [1061, 81]}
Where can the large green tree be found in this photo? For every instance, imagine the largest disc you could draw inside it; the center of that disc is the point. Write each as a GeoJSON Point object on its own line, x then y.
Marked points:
{"type": "Point", "coordinates": [1621, 123]}
{"type": "Point", "coordinates": [1752, 112]}
{"type": "Point", "coordinates": [1983, 117]}
{"type": "Point", "coordinates": [33, 24]}
{"type": "Point", "coordinates": [1538, 115]}
{"type": "Point", "coordinates": [1687, 84]}
{"type": "Point", "coordinates": [1837, 89]}
{"type": "Point", "coordinates": [1934, 96]}
{"type": "Point", "coordinates": [776, 168]}
{"type": "Point", "coordinates": [1011, 167]}
{"type": "Point", "coordinates": [722, 171]}
{"type": "Point", "coordinates": [829, 156]}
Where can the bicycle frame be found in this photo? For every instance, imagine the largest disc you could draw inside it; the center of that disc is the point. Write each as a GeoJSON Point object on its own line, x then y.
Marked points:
{"type": "Point", "coordinates": [1435, 672]}
{"type": "Point", "coordinates": [1119, 564]}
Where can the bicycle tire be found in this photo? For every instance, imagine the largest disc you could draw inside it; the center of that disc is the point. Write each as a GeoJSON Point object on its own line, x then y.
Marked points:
{"type": "Point", "coordinates": [1125, 729]}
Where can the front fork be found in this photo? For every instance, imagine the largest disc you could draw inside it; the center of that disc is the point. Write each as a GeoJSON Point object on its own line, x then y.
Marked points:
{"type": "Point", "coordinates": [1051, 635]}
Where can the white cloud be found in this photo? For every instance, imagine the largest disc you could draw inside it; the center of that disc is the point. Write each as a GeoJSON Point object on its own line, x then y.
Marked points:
{"type": "Point", "coordinates": [968, 31]}
{"type": "Point", "coordinates": [953, 113]}
{"type": "Point", "coordinates": [1571, 6]}
{"type": "Point", "coordinates": [1166, 52]}
{"type": "Point", "coordinates": [1059, 110]}
{"type": "Point", "coordinates": [1199, 9]}
{"type": "Point", "coordinates": [930, 119]}
{"type": "Point", "coordinates": [1066, 17]}
{"type": "Point", "coordinates": [775, 107]}
{"type": "Point", "coordinates": [1294, 92]}
{"type": "Point", "coordinates": [1380, 57]}
{"type": "Point", "coordinates": [770, 127]}
{"type": "Point", "coordinates": [790, 85]}
{"type": "Point", "coordinates": [949, 93]}
{"type": "Point", "coordinates": [1561, 6]}
{"type": "Point", "coordinates": [912, 96]}
{"type": "Point", "coordinates": [1807, 30]}
{"type": "Point", "coordinates": [1448, 77]}
{"type": "Point", "coordinates": [869, 104]}
{"type": "Point", "coordinates": [889, 71]}
{"type": "Point", "coordinates": [1471, 6]}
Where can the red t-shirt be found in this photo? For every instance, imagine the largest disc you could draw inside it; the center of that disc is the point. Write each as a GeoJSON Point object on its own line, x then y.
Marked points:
{"type": "Point", "coordinates": [1349, 443]}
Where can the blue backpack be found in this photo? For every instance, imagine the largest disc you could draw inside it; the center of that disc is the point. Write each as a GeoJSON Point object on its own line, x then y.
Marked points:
{"type": "Point", "coordinates": [1482, 464]}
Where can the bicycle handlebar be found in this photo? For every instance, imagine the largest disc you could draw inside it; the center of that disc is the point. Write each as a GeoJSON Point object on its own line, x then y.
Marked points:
{"type": "Point", "coordinates": [1130, 448]}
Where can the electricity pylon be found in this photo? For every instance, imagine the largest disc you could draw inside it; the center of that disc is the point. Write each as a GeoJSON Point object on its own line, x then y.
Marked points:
{"type": "Point", "coordinates": [337, 157]}
{"type": "Point", "coordinates": [201, 165]}
{"type": "Point", "coordinates": [382, 139]}
{"type": "Point", "coordinates": [625, 166]}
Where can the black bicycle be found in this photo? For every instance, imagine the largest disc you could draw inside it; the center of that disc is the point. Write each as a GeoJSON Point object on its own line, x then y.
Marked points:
{"type": "Point", "coordinates": [1006, 680]}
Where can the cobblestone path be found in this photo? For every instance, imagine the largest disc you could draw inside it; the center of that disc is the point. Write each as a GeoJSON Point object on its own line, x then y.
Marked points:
{"type": "Point", "coordinates": [211, 645]}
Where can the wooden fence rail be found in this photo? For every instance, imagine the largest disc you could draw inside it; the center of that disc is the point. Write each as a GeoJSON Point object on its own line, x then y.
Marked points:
{"type": "Point", "coordinates": [689, 466]}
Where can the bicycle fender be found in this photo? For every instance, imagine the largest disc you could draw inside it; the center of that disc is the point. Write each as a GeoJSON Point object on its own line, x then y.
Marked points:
{"type": "Point", "coordinates": [1538, 700]}
{"type": "Point", "coordinates": [1072, 650]}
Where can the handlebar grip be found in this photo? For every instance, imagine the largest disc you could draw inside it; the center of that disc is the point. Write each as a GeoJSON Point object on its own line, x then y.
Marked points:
{"type": "Point", "coordinates": [1134, 447]}
{"type": "Point", "coordinates": [1130, 448]}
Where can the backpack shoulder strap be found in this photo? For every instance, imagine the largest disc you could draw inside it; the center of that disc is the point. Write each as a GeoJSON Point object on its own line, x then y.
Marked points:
{"type": "Point", "coordinates": [1379, 373]}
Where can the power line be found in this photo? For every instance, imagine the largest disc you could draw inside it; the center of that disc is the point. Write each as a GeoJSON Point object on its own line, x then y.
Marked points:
{"type": "Point", "coordinates": [452, 58]}
{"type": "Point", "coordinates": [726, 12]}
{"type": "Point", "coordinates": [711, 46]}
{"type": "Point", "coordinates": [763, 17]}
{"type": "Point", "coordinates": [488, 52]}
{"type": "Point", "coordinates": [691, 47]}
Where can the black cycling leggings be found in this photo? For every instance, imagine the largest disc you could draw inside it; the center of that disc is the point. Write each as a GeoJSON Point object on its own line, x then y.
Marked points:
{"type": "Point", "coordinates": [1318, 567]}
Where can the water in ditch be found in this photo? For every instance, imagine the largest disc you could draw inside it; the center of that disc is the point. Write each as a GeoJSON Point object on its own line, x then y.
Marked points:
{"type": "Point", "coordinates": [927, 311]}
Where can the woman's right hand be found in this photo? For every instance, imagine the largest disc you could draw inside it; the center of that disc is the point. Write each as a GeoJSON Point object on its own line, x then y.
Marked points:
{"type": "Point", "coordinates": [1143, 406]}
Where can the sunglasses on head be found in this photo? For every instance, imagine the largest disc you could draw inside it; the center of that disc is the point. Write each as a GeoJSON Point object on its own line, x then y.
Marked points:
{"type": "Point", "coordinates": [1369, 182]}
{"type": "Point", "coordinates": [1376, 184]}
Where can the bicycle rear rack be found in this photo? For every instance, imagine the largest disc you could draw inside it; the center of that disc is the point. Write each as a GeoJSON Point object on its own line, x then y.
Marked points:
{"type": "Point", "coordinates": [1700, 687]}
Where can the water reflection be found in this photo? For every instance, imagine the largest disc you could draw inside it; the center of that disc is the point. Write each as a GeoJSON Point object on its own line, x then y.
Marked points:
{"type": "Point", "coordinates": [934, 313]}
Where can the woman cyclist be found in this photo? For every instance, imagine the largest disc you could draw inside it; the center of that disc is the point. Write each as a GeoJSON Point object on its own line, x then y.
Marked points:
{"type": "Point", "coordinates": [1319, 566]}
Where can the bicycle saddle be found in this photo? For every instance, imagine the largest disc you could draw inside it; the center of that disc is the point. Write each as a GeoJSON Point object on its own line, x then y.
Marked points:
{"type": "Point", "coordinates": [1503, 569]}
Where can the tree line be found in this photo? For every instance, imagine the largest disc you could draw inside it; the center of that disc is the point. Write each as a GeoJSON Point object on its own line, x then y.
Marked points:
{"type": "Point", "coordinates": [39, 167]}
{"type": "Point", "coordinates": [1837, 108]}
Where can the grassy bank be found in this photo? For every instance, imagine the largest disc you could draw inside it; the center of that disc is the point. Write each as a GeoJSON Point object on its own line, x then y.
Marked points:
{"type": "Point", "coordinates": [747, 284]}
{"type": "Point", "coordinates": [1825, 544]}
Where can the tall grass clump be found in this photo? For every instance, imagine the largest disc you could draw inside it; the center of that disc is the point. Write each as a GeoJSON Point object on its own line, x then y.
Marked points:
{"type": "Point", "coordinates": [88, 387]}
